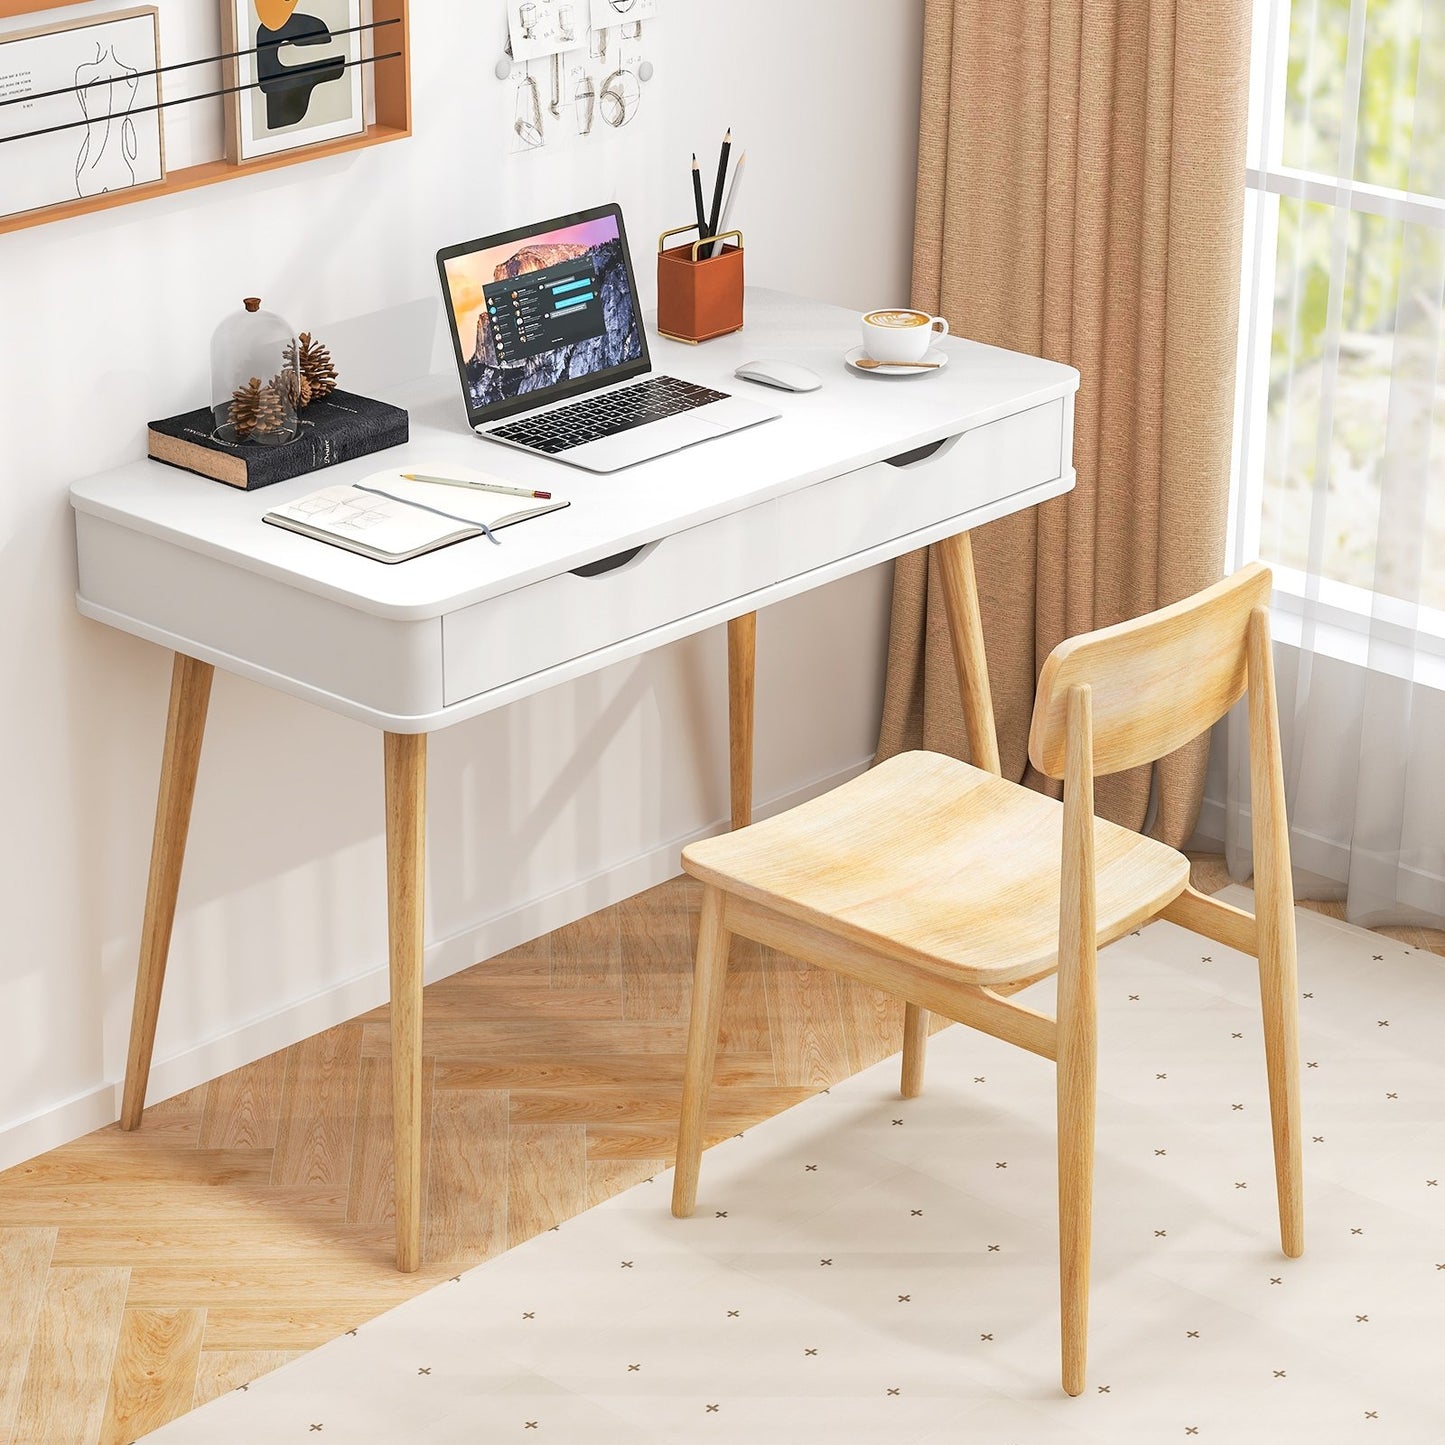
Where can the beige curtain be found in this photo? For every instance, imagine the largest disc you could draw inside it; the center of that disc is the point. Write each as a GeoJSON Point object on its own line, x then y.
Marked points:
{"type": "Point", "coordinates": [1080, 196]}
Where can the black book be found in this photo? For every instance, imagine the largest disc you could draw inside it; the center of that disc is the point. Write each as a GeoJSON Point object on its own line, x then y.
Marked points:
{"type": "Point", "coordinates": [334, 428]}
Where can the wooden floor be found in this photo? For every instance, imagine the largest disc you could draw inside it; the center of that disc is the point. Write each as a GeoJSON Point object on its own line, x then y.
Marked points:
{"type": "Point", "coordinates": [250, 1219]}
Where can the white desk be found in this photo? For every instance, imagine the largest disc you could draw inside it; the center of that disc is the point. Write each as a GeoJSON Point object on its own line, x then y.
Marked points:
{"type": "Point", "coordinates": [723, 528]}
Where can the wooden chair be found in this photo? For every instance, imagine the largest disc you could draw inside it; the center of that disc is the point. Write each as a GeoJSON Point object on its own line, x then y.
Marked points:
{"type": "Point", "coordinates": [942, 882]}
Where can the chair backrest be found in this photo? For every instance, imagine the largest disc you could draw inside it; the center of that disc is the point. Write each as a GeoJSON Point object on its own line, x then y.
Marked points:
{"type": "Point", "coordinates": [1155, 682]}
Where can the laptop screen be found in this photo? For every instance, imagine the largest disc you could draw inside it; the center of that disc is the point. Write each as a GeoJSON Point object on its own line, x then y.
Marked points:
{"type": "Point", "coordinates": [543, 312]}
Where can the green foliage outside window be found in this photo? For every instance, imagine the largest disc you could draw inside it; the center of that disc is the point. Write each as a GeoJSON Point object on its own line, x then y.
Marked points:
{"type": "Point", "coordinates": [1396, 113]}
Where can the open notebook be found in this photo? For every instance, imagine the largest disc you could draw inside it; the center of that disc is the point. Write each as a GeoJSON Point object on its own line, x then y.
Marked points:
{"type": "Point", "coordinates": [389, 519]}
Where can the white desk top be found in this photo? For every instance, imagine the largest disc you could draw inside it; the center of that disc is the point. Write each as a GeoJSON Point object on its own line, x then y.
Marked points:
{"type": "Point", "coordinates": [851, 421]}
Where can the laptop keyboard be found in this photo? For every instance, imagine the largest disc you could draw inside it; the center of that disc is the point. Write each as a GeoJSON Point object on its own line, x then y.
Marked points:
{"type": "Point", "coordinates": [607, 414]}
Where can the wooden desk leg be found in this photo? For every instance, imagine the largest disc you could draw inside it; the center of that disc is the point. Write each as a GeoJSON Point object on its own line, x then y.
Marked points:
{"type": "Point", "coordinates": [742, 656]}
{"type": "Point", "coordinates": [405, 755]}
{"type": "Point", "coordinates": [185, 727]}
{"type": "Point", "coordinates": [965, 630]}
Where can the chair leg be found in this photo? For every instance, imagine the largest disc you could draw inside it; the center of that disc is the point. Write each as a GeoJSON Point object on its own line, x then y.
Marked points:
{"type": "Point", "coordinates": [915, 1048]}
{"type": "Point", "coordinates": [1279, 1003]}
{"type": "Point", "coordinates": [1076, 1045]}
{"type": "Point", "coordinates": [1076, 1090]}
{"type": "Point", "coordinates": [709, 975]}
{"type": "Point", "coordinates": [1274, 923]}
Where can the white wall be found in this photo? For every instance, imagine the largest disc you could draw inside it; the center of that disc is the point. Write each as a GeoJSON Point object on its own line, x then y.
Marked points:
{"type": "Point", "coordinates": [540, 813]}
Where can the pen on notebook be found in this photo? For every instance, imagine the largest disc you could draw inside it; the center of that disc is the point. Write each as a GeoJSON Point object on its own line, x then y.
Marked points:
{"type": "Point", "coordinates": [725, 225]}
{"type": "Point", "coordinates": [717, 190]}
{"type": "Point", "coordinates": [435, 511]}
{"type": "Point", "coordinates": [697, 199]}
{"type": "Point", "coordinates": [477, 486]}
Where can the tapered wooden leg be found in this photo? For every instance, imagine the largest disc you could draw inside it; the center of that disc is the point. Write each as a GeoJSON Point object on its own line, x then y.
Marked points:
{"type": "Point", "coordinates": [1278, 991]}
{"type": "Point", "coordinates": [1076, 1041]}
{"type": "Point", "coordinates": [405, 755]}
{"type": "Point", "coordinates": [915, 1048]}
{"type": "Point", "coordinates": [742, 657]}
{"type": "Point", "coordinates": [185, 727]}
{"type": "Point", "coordinates": [709, 975]}
{"type": "Point", "coordinates": [1275, 924]}
{"type": "Point", "coordinates": [965, 630]}
{"type": "Point", "coordinates": [1077, 1064]}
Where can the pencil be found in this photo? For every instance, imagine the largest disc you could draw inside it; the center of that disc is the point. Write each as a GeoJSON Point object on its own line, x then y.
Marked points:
{"type": "Point", "coordinates": [717, 191]}
{"type": "Point", "coordinates": [477, 486]}
{"type": "Point", "coordinates": [727, 213]}
{"type": "Point", "coordinates": [697, 199]}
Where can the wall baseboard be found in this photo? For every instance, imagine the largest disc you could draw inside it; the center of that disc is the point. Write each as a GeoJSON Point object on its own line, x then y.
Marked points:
{"type": "Point", "coordinates": [73, 1118]}
{"type": "Point", "coordinates": [1319, 861]}
{"type": "Point", "coordinates": [59, 1124]}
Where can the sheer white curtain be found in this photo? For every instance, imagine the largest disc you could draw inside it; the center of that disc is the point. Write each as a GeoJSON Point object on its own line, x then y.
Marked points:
{"type": "Point", "coordinates": [1340, 441]}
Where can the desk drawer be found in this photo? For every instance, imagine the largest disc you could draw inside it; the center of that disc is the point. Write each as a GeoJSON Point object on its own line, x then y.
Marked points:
{"type": "Point", "coordinates": [510, 637]}
{"type": "Point", "coordinates": [877, 503]}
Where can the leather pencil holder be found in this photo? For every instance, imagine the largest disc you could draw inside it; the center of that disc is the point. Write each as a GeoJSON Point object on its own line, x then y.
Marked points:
{"type": "Point", "coordinates": [699, 297]}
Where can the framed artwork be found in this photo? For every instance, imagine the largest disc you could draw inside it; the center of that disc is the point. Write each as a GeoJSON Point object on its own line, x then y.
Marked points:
{"type": "Point", "coordinates": [297, 73]}
{"type": "Point", "coordinates": [79, 109]}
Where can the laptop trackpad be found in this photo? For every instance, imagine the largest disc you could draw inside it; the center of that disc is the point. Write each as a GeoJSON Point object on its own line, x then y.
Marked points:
{"type": "Point", "coordinates": [733, 413]}
{"type": "Point", "coordinates": [640, 443]}
{"type": "Point", "coordinates": [668, 434]}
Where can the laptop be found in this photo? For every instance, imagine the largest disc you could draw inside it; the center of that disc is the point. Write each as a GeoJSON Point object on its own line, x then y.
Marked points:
{"type": "Point", "coordinates": [552, 352]}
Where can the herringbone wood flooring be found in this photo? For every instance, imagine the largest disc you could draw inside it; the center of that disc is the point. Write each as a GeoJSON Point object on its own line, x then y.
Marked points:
{"type": "Point", "coordinates": [250, 1219]}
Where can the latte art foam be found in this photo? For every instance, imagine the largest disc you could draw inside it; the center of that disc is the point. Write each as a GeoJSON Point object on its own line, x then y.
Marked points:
{"type": "Point", "coordinates": [896, 318]}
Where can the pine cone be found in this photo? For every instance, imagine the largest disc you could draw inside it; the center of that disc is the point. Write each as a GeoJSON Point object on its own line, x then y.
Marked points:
{"type": "Point", "coordinates": [271, 411]}
{"type": "Point", "coordinates": [318, 370]}
{"type": "Point", "coordinates": [293, 385]}
{"type": "Point", "coordinates": [245, 403]}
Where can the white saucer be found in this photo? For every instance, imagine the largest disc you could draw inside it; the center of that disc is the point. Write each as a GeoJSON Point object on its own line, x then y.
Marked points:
{"type": "Point", "coordinates": [934, 353]}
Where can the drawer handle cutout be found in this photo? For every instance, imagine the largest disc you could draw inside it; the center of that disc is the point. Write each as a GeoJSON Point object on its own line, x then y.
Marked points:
{"type": "Point", "coordinates": [923, 453]}
{"type": "Point", "coordinates": [615, 562]}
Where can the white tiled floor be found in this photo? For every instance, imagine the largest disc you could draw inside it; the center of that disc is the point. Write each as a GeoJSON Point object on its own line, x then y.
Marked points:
{"type": "Point", "coordinates": [868, 1269]}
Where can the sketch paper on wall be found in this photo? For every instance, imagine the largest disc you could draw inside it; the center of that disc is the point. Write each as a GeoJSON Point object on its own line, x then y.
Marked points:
{"type": "Point", "coordinates": [545, 27]}
{"type": "Point", "coordinates": [619, 85]}
{"type": "Point", "coordinates": [559, 100]}
{"type": "Point", "coordinates": [619, 12]}
{"type": "Point", "coordinates": [93, 86]}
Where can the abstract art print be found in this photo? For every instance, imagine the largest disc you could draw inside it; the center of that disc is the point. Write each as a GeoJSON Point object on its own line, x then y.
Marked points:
{"type": "Point", "coordinates": [79, 110]}
{"type": "Point", "coordinates": [296, 74]}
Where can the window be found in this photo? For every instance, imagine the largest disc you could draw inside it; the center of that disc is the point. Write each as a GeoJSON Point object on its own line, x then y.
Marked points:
{"type": "Point", "coordinates": [1344, 295]}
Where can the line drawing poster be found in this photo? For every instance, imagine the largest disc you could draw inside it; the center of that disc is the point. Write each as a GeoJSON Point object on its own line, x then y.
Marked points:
{"type": "Point", "coordinates": [102, 73]}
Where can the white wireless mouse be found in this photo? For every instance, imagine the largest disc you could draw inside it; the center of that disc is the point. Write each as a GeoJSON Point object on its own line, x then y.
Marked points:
{"type": "Point", "coordinates": [785, 375]}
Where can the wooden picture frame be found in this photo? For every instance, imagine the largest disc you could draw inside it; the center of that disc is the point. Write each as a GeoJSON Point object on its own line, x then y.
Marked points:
{"type": "Point", "coordinates": [390, 85]}
{"type": "Point", "coordinates": [267, 110]}
{"type": "Point", "coordinates": [94, 125]}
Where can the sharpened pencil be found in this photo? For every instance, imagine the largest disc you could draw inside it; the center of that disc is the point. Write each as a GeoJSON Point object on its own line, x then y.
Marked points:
{"type": "Point", "coordinates": [697, 199]}
{"type": "Point", "coordinates": [724, 225]}
{"type": "Point", "coordinates": [717, 191]}
{"type": "Point", "coordinates": [477, 486]}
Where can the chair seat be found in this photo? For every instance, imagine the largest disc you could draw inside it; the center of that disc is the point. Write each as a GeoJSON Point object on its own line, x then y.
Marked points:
{"type": "Point", "coordinates": [931, 861]}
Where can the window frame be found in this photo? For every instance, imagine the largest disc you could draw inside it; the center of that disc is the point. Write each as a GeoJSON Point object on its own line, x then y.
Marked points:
{"type": "Point", "coordinates": [1336, 617]}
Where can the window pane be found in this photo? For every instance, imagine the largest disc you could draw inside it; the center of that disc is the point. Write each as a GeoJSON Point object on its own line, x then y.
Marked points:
{"type": "Point", "coordinates": [1371, 418]}
{"type": "Point", "coordinates": [1381, 131]}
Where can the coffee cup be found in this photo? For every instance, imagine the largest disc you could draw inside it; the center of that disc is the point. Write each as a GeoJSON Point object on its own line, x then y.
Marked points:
{"type": "Point", "coordinates": [896, 333]}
